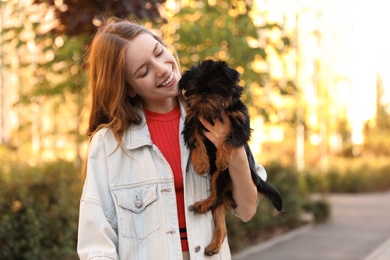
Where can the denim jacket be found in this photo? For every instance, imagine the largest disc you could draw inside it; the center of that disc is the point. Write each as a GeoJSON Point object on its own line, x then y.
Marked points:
{"type": "Point", "coordinates": [128, 205]}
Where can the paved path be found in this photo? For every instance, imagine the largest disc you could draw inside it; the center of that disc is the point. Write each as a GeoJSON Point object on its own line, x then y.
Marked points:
{"type": "Point", "coordinates": [359, 229]}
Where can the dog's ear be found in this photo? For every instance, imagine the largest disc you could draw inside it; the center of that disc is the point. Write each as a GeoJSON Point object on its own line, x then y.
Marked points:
{"type": "Point", "coordinates": [232, 74]}
{"type": "Point", "coordinates": [185, 80]}
{"type": "Point", "coordinates": [234, 77]}
{"type": "Point", "coordinates": [191, 76]}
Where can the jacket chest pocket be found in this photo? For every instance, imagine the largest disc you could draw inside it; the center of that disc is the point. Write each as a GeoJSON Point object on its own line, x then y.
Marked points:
{"type": "Point", "coordinates": [137, 211]}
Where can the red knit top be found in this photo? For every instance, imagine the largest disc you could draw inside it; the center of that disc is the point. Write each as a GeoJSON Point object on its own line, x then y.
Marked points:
{"type": "Point", "coordinates": [164, 131]}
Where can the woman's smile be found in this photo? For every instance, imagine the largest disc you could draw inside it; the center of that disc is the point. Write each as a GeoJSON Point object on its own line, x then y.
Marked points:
{"type": "Point", "coordinates": [168, 80]}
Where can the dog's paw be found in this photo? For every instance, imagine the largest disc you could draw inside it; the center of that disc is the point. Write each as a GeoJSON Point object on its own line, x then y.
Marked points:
{"type": "Point", "coordinates": [200, 207]}
{"type": "Point", "coordinates": [200, 162]}
{"type": "Point", "coordinates": [222, 163]}
{"type": "Point", "coordinates": [212, 249]}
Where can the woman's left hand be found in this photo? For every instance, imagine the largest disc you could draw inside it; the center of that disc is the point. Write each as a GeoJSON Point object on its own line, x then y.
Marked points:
{"type": "Point", "coordinates": [218, 132]}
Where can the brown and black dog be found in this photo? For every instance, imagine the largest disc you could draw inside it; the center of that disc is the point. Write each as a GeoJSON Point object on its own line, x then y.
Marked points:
{"type": "Point", "coordinates": [211, 88]}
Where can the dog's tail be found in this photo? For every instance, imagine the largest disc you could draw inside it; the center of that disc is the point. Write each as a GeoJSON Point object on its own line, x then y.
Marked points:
{"type": "Point", "coordinates": [269, 191]}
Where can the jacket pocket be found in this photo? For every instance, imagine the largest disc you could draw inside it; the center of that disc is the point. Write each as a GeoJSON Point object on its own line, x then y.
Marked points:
{"type": "Point", "coordinates": [137, 211]}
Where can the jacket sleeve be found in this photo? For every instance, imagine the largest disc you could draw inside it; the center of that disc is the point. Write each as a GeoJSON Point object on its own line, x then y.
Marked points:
{"type": "Point", "coordinates": [261, 171]}
{"type": "Point", "coordinates": [254, 165]}
{"type": "Point", "coordinates": [97, 234]}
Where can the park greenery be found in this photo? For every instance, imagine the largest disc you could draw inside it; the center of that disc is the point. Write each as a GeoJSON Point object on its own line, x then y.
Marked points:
{"type": "Point", "coordinates": [39, 201]}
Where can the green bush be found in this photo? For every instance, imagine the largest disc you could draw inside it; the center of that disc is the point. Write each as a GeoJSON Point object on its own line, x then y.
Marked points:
{"type": "Point", "coordinates": [315, 182]}
{"type": "Point", "coordinates": [364, 178]}
{"type": "Point", "coordinates": [377, 143]}
{"type": "Point", "coordinates": [39, 212]}
{"type": "Point", "coordinates": [321, 210]}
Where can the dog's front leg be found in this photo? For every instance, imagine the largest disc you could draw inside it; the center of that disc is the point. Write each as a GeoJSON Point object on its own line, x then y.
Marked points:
{"type": "Point", "coordinates": [220, 231]}
{"type": "Point", "coordinates": [200, 159]}
{"type": "Point", "coordinates": [206, 204]}
{"type": "Point", "coordinates": [224, 156]}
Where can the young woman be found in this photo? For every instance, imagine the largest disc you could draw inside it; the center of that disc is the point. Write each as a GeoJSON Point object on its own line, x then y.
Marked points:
{"type": "Point", "coordinates": [140, 182]}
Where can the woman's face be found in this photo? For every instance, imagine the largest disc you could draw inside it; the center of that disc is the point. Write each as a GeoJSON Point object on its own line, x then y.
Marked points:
{"type": "Point", "coordinates": [152, 72]}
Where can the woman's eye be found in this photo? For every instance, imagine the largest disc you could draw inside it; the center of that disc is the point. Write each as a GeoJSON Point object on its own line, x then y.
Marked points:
{"type": "Point", "coordinates": [146, 72]}
{"type": "Point", "coordinates": [160, 53]}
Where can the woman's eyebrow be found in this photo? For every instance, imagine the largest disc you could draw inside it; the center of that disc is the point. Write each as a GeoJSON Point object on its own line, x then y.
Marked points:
{"type": "Point", "coordinates": [140, 67]}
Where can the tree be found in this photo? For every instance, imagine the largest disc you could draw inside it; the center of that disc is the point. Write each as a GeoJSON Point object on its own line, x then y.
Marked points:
{"type": "Point", "coordinates": [382, 110]}
{"type": "Point", "coordinates": [51, 80]}
{"type": "Point", "coordinates": [377, 138]}
{"type": "Point", "coordinates": [47, 55]}
{"type": "Point", "coordinates": [79, 16]}
{"type": "Point", "coordinates": [224, 30]}
{"type": "Point", "coordinates": [51, 51]}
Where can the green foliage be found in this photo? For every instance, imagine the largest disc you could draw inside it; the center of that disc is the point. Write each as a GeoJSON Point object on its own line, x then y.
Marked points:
{"type": "Point", "coordinates": [376, 133]}
{"type": "Point", "coordinates": [383, 112]}
{"type": "Point", "coordinates": [77, 17]}
{"type": "Point", "coordinates": [321, 210]}
{"type": "Point", "coordinates": [344, 130]}
{"type": "Point", "coordinates": [39, 212]}
{"type": "Point", "coordinates": [365, 178]}
{"type": "Point", "coordinates": [289, 184]}
{"type": "Point", "coordinates": [315, 182]}
{"type": "Point", "coordinates": [377, 143]}
{"type": "Point", "coordinates": [209, 31]}
{"type": "Point", "coordinates": [224, 30]}
{"type": "Point", "coordinates": [51, 80]}
{"type": "Point", "coordinates": [57, 72]}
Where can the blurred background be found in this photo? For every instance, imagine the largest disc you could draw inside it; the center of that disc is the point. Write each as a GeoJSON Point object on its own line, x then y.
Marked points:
{"type": "Point", "coordinates": [316, 77]}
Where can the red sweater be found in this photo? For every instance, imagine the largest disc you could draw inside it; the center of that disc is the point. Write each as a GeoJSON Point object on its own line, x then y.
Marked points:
{"type": "Point", "coordinates": [164, 131]}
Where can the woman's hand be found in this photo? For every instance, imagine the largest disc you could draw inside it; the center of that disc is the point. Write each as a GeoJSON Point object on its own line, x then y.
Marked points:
{"type": "Point", "coordinates": [218, 132]}
{"type": "Point", "coordinates": [244, 190]}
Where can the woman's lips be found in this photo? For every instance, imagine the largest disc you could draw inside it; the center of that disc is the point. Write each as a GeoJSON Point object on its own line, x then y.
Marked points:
{"type": "Point", "coordinates": [168, 80]}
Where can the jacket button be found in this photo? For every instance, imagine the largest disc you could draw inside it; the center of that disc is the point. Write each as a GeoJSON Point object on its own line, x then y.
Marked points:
{"type": "Point", "coordinates": [138, 203]}
{"type": "Point", "coordinates": [197, 249]}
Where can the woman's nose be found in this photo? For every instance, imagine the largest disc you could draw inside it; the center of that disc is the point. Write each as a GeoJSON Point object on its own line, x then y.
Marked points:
{"type": "Point", "coordinates": [161, 69]}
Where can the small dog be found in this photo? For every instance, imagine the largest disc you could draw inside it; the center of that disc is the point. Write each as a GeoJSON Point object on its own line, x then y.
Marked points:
{"type": "Point", "coordinates": [211, 88]}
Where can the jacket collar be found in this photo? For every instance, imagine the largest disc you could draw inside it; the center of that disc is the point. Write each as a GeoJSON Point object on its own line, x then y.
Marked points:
{"type": "Point", "coordinates": [137, 135]}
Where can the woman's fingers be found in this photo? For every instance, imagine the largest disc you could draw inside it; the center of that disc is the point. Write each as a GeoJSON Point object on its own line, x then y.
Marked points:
{"type": "Point", "coordinates": [218, 131]}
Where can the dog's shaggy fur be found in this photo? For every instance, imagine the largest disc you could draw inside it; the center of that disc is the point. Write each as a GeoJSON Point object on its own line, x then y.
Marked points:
{"type": "Point", "coordinates": [211, 88]}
